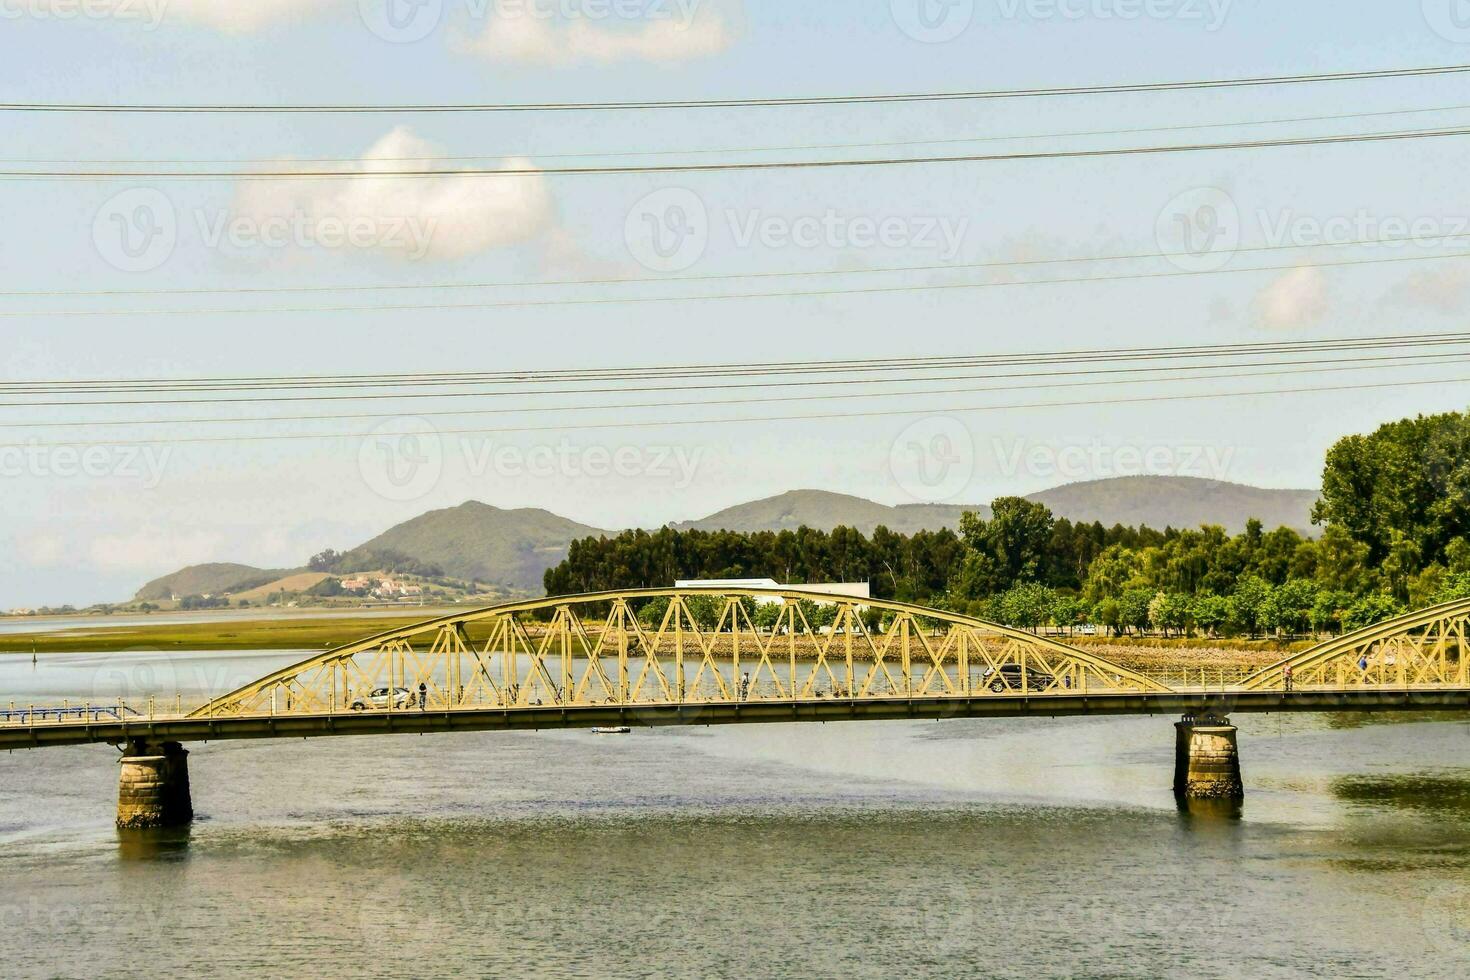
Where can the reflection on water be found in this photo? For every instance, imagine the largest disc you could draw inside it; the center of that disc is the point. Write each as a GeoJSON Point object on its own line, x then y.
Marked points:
{"type": "Point", "coordinates": [1209, 810]}
{"type": "Point", "coordinates": [1022, 847]}
{"type": "Point", "coordinates": [1434, 793]}
{"type": "Point", "coordinates": [152, 845]}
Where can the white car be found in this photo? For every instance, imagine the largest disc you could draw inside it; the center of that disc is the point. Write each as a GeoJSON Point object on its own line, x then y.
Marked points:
{"type": "Point", "coordinates": [378, 699]}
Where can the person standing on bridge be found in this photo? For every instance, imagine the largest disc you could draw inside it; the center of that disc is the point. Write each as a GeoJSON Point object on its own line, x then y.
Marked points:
{"type": "Point", "coordinates": [423, 695]}
{"type": "Point", "coordinates": [1286, 676]}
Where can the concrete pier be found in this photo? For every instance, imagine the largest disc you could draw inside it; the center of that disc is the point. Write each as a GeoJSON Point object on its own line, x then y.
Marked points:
{"type": "Point", "coordinates": [153, 786]}
{"type": "Point", "coordinates": [1206, 760]}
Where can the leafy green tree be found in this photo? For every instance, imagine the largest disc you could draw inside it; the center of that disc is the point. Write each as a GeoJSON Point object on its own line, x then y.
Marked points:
{"type": "Point", "coordinates": [1108, 613]}
{"type": "Point", "coordinates": [1369, 610]}
{"type": "Point", "coordinates": [1411, 477]}
{"type": "Point", "coordinates": [1456, 586]}
{"type": "Point", "coordinates": [1068, 611]}
{"type": "Point", "coordinates": [1027, 605]}
{"type": "Point", "coordinates": [1210, 612]}
{"type": "Point", "coordinates": [818, 614]}
{"type": "Point", "coordinates": [1008, 548]}
{"type": "Point", "coordinates": [1170, 611]}
{"type": "Point", "coordinates": [1133, 608]}
{"type": "Point", "coordinates": [1328, 609]}
{"type": "Point", "coordinates": [1252, 608]}
{"type": "Point", "coordinates": [768, 614]}
{"type": "Point", "coordinates": [1294, 601]}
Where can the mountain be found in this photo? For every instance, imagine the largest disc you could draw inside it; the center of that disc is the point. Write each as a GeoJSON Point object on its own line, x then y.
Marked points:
{"type": "Point", "coordinates": [507, 548]}
{"type": "Point", "coordinates": [1179, 501]}
{"type": "Point", "coordinates": [1158, 501]}
{"type": "Point", "coordinates": [207, 580]}
{"type": "Point", "coordinates": [825, 510]}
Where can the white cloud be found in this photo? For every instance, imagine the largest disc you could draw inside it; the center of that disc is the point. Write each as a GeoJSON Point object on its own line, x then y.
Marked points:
{"type": "Point", "coordinates": [681, 31]}
{"type": "Point", "coordinates": [1295, 299]}
{"type": "Point", "coordinates": [439, 217]}
{"type": "Point", "coordinates": [244, 16]}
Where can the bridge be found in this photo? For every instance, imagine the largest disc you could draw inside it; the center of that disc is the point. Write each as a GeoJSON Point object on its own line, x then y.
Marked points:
{"type": "Point", "coordinates": [716, 655]}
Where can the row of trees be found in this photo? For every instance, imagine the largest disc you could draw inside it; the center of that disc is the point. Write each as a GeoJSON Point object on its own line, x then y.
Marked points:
{"type": "Point", "coordinates": [1395, 505]}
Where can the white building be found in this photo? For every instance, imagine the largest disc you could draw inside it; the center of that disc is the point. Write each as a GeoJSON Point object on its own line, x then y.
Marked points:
{"type": "Point", "coordinates": [855, 590]}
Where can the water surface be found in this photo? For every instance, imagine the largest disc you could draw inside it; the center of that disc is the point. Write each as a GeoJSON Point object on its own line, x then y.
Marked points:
{"type": "Point", "coordinates": [1025, 847]}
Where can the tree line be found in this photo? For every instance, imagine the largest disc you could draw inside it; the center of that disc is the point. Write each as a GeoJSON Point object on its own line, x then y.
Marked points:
{"type": "Point", "coordinates": [1394, 510]}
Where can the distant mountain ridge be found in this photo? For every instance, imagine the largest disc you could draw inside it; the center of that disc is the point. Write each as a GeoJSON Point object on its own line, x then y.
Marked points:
{"type": "Point", "coordinates": [1158, 501]}
{"type": "Point", "coordinates": [511, 548]}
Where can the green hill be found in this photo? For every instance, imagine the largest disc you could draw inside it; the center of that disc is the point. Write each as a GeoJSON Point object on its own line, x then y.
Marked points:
{"type": "Point", "coordinates": [208, 579]}
{"type": "Point", "coordinates": [506, 548]}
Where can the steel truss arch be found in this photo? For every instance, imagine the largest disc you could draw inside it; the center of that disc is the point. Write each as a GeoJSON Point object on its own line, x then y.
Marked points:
{"type": "Point", "coordinates": [1426, 648]}
{"type": "Point", "coordinates": [703, 645]}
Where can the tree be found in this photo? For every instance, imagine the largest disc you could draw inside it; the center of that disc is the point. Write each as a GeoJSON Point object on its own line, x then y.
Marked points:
{"type": "Point", "coordinates": [1170, 611]}
{"type": "Point", "coordinates": [325, 561]}
{"type": "Point", "coordinates": [1328, 609]}
{"type": "Point", "coordinates": [1452, 587]}
{"type": "Point", "coordinates": [768, 614]}
{"type": "Point", "coordinates": [1133, 608]}
{"type": "Point", "coordinates": [1411, 477]}
{"type": "Point", "coordinates": [1294, 601]}
{"type": "Point", "coordinates": [1109, 614]}
{"type": "Point", "coordinates": [1210, 612]}
{"type": "Point", "coordinates": [1008, 548]}
{"type": "Point", "coordinates": [1369, 610]}
{"type": "Point", "coordinates": [1068, 611]}
{"type": "Point", "coordinates": [1252, 608]}
{"type": "Point", "coordinates": [1027, 605]}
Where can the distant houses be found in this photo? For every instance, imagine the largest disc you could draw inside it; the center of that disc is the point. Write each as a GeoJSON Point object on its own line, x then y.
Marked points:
{"type": "Point", "coordinates": [385, 587]}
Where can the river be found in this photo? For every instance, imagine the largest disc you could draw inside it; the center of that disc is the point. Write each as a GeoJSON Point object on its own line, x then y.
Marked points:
{"type": "Point", "coordinates": [955, 848]}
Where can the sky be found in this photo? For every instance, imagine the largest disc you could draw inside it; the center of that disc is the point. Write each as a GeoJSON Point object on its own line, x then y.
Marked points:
{"type": "Point", "coordinates": [91, 511]}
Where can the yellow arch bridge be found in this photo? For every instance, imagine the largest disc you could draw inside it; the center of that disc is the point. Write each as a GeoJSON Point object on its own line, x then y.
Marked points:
{"type": "Point", "coordinates": [721, 656]}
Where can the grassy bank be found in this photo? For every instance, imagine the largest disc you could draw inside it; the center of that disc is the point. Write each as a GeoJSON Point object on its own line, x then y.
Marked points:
{"type": "Point", "coordinates": [300, 633]}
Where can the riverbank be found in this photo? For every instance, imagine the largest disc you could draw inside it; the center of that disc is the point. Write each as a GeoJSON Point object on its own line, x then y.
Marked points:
{"type": "Point", "coordinates": [285, 633]}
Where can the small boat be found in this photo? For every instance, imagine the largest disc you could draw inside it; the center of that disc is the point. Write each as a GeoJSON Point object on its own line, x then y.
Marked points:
{"type": "Point", "coordinates": [611, 730]}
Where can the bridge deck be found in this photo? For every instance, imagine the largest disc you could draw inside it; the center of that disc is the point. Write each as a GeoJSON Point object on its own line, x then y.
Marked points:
{"type": "Point", "coordinates": [40, 729]}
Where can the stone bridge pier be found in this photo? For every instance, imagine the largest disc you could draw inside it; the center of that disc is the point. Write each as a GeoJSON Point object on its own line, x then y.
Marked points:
{"type": "Point", "coordinates": [1206, 760]}
{"type": "Point", "coordinates": [153, 785]}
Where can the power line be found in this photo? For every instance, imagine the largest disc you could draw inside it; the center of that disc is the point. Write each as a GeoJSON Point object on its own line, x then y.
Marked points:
{"type": "Point", "coordinates": [826, 416]}
{"type": "Point", "coordinates": [774, 294]}
{"type": "Point", "coordinates": [701, 151]}
{"type": "Point", "coordinates": [700, 372]}
{"type": "Point", "coordinates": [1286, 368]}
{"type": "Point", "coordinates": [817, 100]}
{"type": "Point", "coordinates": [722, 277]}
{"type": "Point", "coordinates": [696, 168]}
